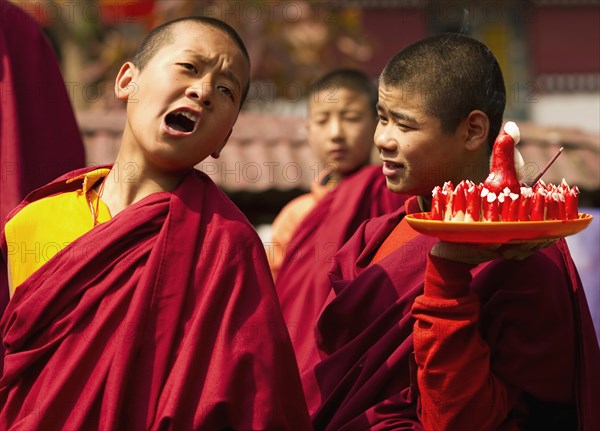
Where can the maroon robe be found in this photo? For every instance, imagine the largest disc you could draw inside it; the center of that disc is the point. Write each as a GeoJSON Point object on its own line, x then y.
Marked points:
{"type": "Point", "coordinates": [39, 137]}
{"type": "Point", "coordinates": [303, 282]}
{"type": "Point", "coordinates": [164, 317]}
{"type": "Point", "coordinates": [366, 377]}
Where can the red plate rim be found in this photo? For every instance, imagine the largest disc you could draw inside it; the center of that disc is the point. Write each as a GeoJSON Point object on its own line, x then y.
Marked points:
{"type": "Point", "coordinates": [497, 232]}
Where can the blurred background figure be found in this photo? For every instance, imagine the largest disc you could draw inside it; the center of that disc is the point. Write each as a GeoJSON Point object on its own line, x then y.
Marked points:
{"type": "Point", "coordinates": [341, 122]}
{"type": "Point", "coordinates": [39, 137]}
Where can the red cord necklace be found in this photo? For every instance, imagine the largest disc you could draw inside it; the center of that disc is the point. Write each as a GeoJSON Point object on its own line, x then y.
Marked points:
{"type": "Point", "coordinates": [95, 209]}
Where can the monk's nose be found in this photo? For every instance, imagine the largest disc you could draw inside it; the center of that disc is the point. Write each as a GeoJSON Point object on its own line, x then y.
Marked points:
{"type": "Point", "coordinates": [202, 93]}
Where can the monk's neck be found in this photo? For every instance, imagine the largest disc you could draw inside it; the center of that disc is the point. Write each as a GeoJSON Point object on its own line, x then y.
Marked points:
{"type": "Point", "coordinates": [475, 169]}
{"type": "Point", "coordinates": [424, 203]}
{"type": "Point", "coordinates": [129, 182]}
{"type": "Point", "coordinates": [332, 176]}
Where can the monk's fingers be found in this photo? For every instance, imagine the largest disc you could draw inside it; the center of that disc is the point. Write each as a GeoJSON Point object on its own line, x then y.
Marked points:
{"type": "Point", "coordinates": [466, 253]}
{"type": "Point", "coordinates": [523, 250]}
{"type": "Point", "coordinates": [479, 253]}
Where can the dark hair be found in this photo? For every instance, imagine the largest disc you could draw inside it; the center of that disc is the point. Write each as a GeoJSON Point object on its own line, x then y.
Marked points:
{"type": "Point", "coordinates": [163, 35]}
{"type": "Point", "coordinates": [454, 74]}
{"type": "Point", "coordinates": [352, 79]}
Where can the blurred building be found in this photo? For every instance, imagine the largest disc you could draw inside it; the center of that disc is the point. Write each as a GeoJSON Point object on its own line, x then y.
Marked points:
{"type": "Point", "coordinates": [549, 51]}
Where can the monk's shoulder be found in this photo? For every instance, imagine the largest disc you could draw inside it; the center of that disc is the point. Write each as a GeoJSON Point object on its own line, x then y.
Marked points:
{"type": "Point", "coordinates": [30, 215]}
{"type": "Point", "coordinates": [300, 204]}
{"type": "Point", "coordinates": [294, 212]}
{"type": "Point", "coordinates": [225, 215]}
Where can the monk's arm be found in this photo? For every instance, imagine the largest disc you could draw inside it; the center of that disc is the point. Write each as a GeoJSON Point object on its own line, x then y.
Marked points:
{"type": "Point", "coordinates": [457, 388]}
{"type": "Point", "coordinates": [475, 366]}
{"type": "Point", "coordinates": [280, 237]}
{"type": "Point", "coordinates": [283, 228]}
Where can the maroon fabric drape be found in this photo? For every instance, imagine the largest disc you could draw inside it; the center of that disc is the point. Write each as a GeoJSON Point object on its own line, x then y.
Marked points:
{"type": "Point", "coordinates": [303, 283]}
{"type": "Point", "coordinates": [366, 376]}
{"type": "Point", "coordinates": [165, 317]}
{"type": "Point", "coordinates": [39, 137]}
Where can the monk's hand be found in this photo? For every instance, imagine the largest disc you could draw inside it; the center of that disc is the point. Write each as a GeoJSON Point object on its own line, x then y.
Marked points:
{"type": "Point", "coordinates": [479, 253]}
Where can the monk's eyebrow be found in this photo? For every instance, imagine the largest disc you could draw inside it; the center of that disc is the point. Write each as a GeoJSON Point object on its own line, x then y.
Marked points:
{"type": "Point", "coordinates": [227, 72]}
{"type": "Point", "coordinates": [398, 115]}
{"type": "Point", "coordinates": [403, 117]}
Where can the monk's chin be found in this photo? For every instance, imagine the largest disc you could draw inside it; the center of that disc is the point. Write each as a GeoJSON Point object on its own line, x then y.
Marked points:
{"type": "Point", "coordinates": [394, 185]}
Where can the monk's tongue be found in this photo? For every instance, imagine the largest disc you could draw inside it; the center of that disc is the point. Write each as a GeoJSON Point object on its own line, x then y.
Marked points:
{"type": "Point", "coordinates": [179, 122]}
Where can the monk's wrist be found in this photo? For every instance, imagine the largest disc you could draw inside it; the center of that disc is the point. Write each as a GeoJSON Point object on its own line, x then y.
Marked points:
{"type": "Point", "coordinates": [446, 279]}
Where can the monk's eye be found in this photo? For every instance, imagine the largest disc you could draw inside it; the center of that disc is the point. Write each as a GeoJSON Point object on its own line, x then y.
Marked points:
{"type": "Point", "coordinates": [320, 119]}
{"type": "Point", "coordinates": [188, 66]}
{"type": "Point", "coordinates": [226, 91]}
{"type": "Point", "coordinates": [403, 126]}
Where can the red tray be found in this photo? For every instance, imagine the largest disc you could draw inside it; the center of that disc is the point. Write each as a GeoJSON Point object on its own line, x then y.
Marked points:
{"type": "Point", "coordinates": [497, 232]}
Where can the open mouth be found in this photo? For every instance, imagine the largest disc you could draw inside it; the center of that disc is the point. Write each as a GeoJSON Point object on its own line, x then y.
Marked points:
{"type": "Point", "coordinates": [391, 169]}
{"type": "Point", "coordinates": [391, 165]}
{"type": "Point", "coordinates": [181, 121]}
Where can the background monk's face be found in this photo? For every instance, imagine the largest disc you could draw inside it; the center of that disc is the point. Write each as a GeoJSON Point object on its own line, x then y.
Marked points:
{"type": "Point", "coordinates": [417, 154]}
{"type": "Point", "coordinates": [183, 104]}
{"type": "Point", "coordinates": [340, 128]}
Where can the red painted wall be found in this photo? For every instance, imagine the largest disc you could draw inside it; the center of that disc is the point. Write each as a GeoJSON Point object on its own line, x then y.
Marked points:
{"type": "Point", "coordinates": [565, 39]}
{"type": "Point", "coordinates": [390, 30]}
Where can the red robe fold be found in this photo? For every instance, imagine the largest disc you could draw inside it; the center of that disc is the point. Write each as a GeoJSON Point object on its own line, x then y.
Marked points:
{"type": "Point", "coordinates": [163, 318]}
{"type": "Point", "coordinates": [303, 283]}
{"type": "Point", "coordinates": [366, 377]}
{"type": "Point", "coordinates": [39, 137]}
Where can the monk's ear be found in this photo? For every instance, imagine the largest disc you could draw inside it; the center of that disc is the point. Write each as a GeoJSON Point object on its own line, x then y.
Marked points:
{"type": "Point", "coordinates": [124, 84]}
{"type": "Point", "coordinates": [215, 154]}
{"type": "Point", "coordinates": [477, 128]}
{"type": "Point", "coordinates": [307, 126]}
